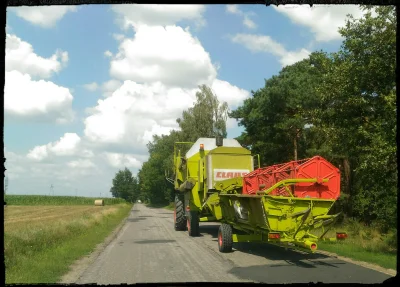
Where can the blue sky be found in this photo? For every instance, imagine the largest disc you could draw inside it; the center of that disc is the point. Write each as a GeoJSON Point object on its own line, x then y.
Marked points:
{"type": "Point", "coordinates": [88, 86]}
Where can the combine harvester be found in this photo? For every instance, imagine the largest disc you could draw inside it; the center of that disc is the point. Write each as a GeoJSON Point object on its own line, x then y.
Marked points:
{"type": "Point", "coordinates": [281, 204]}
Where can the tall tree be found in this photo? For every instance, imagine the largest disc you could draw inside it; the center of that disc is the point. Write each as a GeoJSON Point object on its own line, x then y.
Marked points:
{"type": "Point", "coordinates": [125, 185]}
{"type": "Point", "coordinates": [279, 116]}
{"type": "Point", "coordinates": [359, 98]}
{"type": "Point", "coordinates": [207, 118]}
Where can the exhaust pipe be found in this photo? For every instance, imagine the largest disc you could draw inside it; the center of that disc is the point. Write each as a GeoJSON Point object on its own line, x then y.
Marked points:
{"type": "Point", "coordinates": [312, 246]}
{"type": "Point", "coordinates": [219, 141]}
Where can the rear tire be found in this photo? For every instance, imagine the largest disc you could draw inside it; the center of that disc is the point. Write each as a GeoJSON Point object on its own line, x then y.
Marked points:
{"type": "Point", "coordinates": [193, 223]}
{"type": "Point", "coordinates": [179, 214]}
{"type": "Point", "coordinates": [225, 241]}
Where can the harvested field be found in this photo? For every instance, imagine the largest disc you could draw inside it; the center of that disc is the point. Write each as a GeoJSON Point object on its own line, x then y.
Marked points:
{"type": "Point", "coordinates": [35, 232]}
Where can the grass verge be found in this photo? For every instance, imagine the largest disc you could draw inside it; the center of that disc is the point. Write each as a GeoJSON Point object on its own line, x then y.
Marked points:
{"type": "Point", "coordinates": [42, 251]}
{"type": "Point", "coordinates": [356, 252]}
{"type": "Point", "coordinates": [364, 243]}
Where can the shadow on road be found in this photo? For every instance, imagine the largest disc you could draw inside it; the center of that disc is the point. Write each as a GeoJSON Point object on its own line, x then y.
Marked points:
{"type": "Point", "coordinates": [211, 229]}
{"type": "Point", "coordinates": [270, 252]}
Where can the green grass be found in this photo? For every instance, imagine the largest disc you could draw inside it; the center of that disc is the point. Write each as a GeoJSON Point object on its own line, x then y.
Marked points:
{"type": "Point", "coordinates": [56, 200]}
{"type": "Point", "coordinates": [358, 253]}
{"type": "Point", "coordinates": [42, 252]}
{"type": "Point", "coordinates": [364, 243]}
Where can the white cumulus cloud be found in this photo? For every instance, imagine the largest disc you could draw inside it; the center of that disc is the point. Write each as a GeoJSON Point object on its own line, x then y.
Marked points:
{"type": "Point", "coordinates": [43, 16]}
{"type": "Point", "coordinates": [265, 44]}
{"type": "Point", "coordinates": [108, 54]}
{"type": "Point", "coordinates": [81, 163]}
{"type": "Point", "coordinates": [26, 99]}
{"type": "Point", "coordinates": [323, 20]}
{"type": "Point", "coordinates": [246, 16]}
{"type": "Point", "coordinates": [21, 57]}
{"type": "Point", "coordinates": [110, 86]}
{"type": "Point", "coordinates": [134, 15]}
{"type": "Point", "coordinates": [135, 112]}
{"type": "Point", "coordinates": [233, 95]}
{"type": "Point", "coordinates": [91, 87]}
{"type": "Point", "coordinates": [134, 109]}
{"type": "Point", "coordinates": [67, 145]}
{"type": "Point", "coordinates": [167, 54]}
{"type": "Point", "coordinates": [119, 160]}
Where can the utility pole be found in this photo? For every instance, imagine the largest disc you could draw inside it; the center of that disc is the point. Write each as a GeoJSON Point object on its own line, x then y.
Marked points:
{"type": "Point", "coordinates": [5, 189]}
{"type": "Point", "coordinates": [76, 192]}
{"type": "Point", "coordinates": [5, 185]}
{"type": "Point", "coordinates": [51, 189]}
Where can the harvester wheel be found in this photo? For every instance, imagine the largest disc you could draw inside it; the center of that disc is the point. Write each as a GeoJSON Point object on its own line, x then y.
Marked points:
{"type": "Point", "coordinates": [179, 214]}
{"type": "Point", "coordinates": [225, 241]}
{"type": "Point", "coordinates": [193, 223]}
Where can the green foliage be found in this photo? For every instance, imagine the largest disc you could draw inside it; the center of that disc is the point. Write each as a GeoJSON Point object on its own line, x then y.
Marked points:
{"type": "Point", "coordinates": [278, 116]}
{"type": "Point", "coordinates": [125, 186]}
{"type": "Point", "coordinates": [359, 96]}
{"type": "Point", "coordinates": [12, 199]}
{"type": "Point", "coordinates": [207, 118]}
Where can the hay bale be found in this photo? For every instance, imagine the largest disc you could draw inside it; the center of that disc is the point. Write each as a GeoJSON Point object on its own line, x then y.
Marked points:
{"type": "Point", "coordinates": [99, 202]}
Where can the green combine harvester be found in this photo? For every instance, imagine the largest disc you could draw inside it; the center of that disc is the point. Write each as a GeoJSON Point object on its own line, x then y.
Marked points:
{"type": "Point", "coordinates": [215, 181]}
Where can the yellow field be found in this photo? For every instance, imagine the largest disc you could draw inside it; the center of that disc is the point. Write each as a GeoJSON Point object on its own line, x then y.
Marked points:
{"type": "Point", "coordinates": [32, 233]}
{"type": "Point", "coordinates": [17, 217]}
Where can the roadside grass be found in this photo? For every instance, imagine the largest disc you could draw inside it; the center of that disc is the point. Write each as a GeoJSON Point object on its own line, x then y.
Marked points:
{"type": "Point", "coordinates": [364, 243]}
{"type": "Point", "coordinates": [12, 199]}
{"type": "Point", "coordinates": [43, 242]}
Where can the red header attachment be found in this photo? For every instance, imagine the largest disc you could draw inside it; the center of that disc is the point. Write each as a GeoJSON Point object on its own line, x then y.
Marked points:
{"type": "Point", "coordinates": [316, 168]}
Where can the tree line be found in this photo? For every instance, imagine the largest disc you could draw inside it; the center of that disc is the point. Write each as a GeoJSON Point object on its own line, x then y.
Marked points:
{"type": "Point", "coordinates": [339, 105]}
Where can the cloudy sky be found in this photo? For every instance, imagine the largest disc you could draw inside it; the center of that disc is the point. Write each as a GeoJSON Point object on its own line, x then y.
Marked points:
{"type": "Point", "coordinates": [87, 86]}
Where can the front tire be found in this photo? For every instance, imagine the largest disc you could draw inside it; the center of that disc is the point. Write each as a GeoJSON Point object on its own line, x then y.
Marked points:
{"type": "Point", "coordinates": [179, 214]}
{"type": "Point", "coordinates": [225, 241]}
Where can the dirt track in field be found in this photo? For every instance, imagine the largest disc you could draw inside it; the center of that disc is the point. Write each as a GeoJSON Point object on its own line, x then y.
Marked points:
{"type": "Point", "coordinates": [148, 249]}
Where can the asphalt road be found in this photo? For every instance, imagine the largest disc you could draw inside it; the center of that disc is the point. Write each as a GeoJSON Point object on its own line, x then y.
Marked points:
{"type": "Point", "coordinates": [148, 249]}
